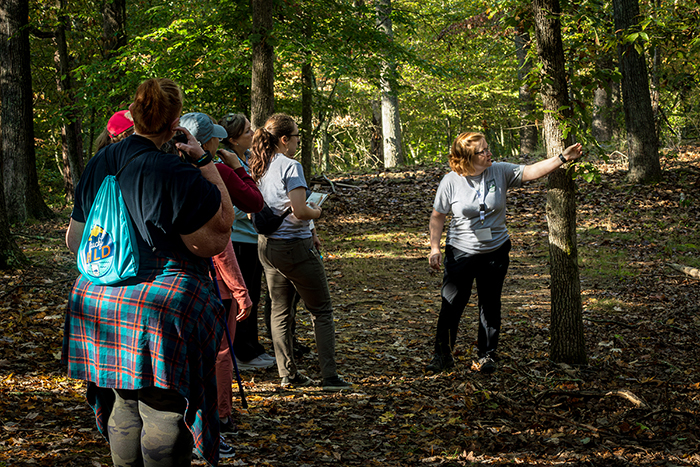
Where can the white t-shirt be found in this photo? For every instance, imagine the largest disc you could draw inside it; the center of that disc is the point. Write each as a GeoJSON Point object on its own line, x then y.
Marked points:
{"type": "Point", "coordinates": [462, 196]}
{"type": "Point", "coordinates": [282, 176]}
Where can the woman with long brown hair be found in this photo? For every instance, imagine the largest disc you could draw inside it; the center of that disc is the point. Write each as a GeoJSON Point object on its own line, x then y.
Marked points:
{"type": "Point", "coordinates": [290, 254]}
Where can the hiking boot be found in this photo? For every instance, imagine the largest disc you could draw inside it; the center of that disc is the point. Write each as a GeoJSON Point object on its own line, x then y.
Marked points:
{"type": "Point", "coordinates": [298, 380]}
{"type": "Point", "coordinates": [487, 364]}
{"type": "Point", "coordinates": [224, 449]}
{"type": "Point", "coordinates": [336, 383]}
{"type": "Point", "coordinates": [254, 364]}
{"type": "Point", "coordinates": [440, 363]}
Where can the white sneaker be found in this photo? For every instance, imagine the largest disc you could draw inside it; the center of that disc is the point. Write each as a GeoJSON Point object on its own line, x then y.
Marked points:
{"type": "Point", "coordinates": [254, 364]}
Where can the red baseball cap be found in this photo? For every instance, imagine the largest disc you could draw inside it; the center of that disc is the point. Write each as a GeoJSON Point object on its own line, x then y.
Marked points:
{"type": "Point", "coordinates": [119, 123]}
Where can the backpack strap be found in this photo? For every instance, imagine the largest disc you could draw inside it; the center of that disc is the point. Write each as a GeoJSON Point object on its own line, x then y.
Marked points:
{"type": "Point", "coordinates": [129, 162]}
{"type": "Point", "coordinates": [148, 240]}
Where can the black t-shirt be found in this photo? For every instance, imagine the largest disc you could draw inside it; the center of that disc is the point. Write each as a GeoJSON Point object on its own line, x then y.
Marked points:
{"type": "Point", "coordinates": [165, 197]}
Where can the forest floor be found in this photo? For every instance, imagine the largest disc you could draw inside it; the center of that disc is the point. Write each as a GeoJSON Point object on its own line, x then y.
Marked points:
{"type": "Point", "coordinates": [636, 402]}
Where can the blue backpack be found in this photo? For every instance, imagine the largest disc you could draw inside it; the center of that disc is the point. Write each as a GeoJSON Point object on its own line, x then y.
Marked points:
{"type": "Point", "coordinates": [108, 251]}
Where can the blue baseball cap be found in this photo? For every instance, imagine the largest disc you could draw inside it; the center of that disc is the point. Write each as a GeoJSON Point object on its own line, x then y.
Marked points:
{"type": "Point", "coordinates": [201, 127]}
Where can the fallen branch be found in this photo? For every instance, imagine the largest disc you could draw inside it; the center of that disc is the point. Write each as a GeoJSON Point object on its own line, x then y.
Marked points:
{"type": "Point", "coordinates": [624, 393]}
{"type": "Point", "coordinates": [692, 272]}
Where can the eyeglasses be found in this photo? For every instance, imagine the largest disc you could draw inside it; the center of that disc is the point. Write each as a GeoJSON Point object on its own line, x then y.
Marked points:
{"type": "Point", "coordinates": [483, 151]}
{"type": "Point", "coordinates": [297, 135]}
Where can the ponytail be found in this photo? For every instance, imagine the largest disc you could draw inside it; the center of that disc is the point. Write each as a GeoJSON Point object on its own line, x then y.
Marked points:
{"type": "Point", "coordinates": [157, 103]}
{"type": "Point", "coordinates": [265, 142]}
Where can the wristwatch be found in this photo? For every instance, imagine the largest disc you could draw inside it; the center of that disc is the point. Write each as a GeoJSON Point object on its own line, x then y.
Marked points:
{"type": "Point", "coordinates": [204, 160]}
{"type": "Point", "coordinates": [563, 159]}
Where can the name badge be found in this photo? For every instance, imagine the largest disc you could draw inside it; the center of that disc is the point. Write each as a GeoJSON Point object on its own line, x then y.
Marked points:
{"type": "Point", "coordinates": [483, 235]}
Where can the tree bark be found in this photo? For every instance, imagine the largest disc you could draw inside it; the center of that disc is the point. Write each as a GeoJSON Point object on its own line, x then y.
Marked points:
{"type": "Point", "coordinates": [71, 133]}
{"type": "Point", "coordinates": [644, 164]}
{"type": "Point", "coordinates": [528, 127]}
{"type": "Point", "coordinates": [307, 78]}
{"type": "Point", "coordinates": [262, 88]}
{"type": "Point", "coordinates": [113, 26]}
{"type": "Point", "coordinates": [391, 119]}
{"type": "Point", "coordinates": [376, 144]}
{"type": "Point", "coordinates": [567, 339]}
{"type": "Point", "coordinates": [602, 114]}
{"type": "Point", "coordinates": [20, 181]}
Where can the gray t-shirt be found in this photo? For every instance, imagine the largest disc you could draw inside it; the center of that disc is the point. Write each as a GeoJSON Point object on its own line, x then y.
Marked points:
{"type": "Point", "coordinates": [282, 176]}
{"type": "Point", "coordinates": [462, 196]}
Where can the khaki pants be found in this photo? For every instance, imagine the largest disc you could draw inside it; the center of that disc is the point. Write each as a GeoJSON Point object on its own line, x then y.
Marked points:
{"type": "Point", "coordinates": [295, 265]}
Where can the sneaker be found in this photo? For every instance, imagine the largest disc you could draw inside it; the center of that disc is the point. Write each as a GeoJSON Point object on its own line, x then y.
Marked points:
{"type": "Point", "coordinates": [254, 364]}
{"type": "Point", "coordinates": [224, 449]}
{"type": "Point", "coordinates": [265, 356]}
{"type": "Point", "coordinates": [440, 362]}
{"type": "Point", "coordinates": [298, 380]}
{"type": "Point", "coordinates": [227, 428]}
{"type": "Point", "coordinates": [336, 383]}
{"type": "Point", "coordinates": [487, 364]}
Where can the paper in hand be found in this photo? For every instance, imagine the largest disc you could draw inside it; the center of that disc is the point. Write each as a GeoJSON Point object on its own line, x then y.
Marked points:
{"type": "Point", "coordinates": [316, 197]}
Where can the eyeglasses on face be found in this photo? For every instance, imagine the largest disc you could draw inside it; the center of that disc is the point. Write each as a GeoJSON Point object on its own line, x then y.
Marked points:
{"type": "Point", "coordinates": [482, 152]}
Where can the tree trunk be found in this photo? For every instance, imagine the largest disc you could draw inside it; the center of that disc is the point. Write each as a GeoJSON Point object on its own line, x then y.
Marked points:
{"type": "Point", "coordinates": [391, 119]}
{"type": "Point", "coordinates": [71, 134]}
{"type": "Point", "coordinates": [644, 165]}
{"type": "Point", "coordinates": [376, 145]}
{"type": "Point", "coordinates": [262, 87]}
{"type": "Point", "coordinates": [603, 123]}
{"type": "Point", "coordinates": [307, 139]}
{"type": "Point", "coordinates": [567, 339]}
{"type": "Point", "coordinates": [323, 146]}
{"type": "Point", "coordinates": [20, 182]}
{"type": "Point", "coordinates": [528, 127]}
{"type": "Point", "coordinates": [10, 254]}
{"type": "Point", "coordinates": [113, 26]}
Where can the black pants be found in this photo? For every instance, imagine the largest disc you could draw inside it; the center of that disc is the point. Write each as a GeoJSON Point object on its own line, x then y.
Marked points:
{"type": "Point", "coordinates": [461, 269]}
{"type": "Point", "coordinates": [245, 344]}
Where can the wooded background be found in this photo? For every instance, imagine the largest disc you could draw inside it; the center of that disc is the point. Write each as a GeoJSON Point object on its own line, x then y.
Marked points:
{"type": "Point", "coordinates": [373, 83]}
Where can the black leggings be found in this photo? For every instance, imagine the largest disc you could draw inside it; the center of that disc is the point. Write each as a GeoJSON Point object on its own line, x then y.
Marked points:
{"type": "Point", "coordinates": [147, 429]}
{"type": "Point", "coordinates": [461, 269]}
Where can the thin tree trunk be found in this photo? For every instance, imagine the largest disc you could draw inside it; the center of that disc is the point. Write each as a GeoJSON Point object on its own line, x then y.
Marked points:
{"type": "Point", "coordinates": [376, 142]}
{"type": "Point", "coordinates": [391, 119]}
{"type": "Point", "coordinates": [528, 128]}
{"type": "Point", "coordinates": [567, 339]}
{"type": "Point", "coordinates": [307, 103]}
{"type": "Point", "coordinates": [262, 88]}
{"type": "Point", "coordinates": [602, 113]}
{"type": "Point", "coordinates": [20, 181]}
{"type": "Point", "coordinates": [113, 26]}
{"type": "Point", "coordinates": [71, 134]}
{"type": "Point", "coordinates": [644, 164]}
{"type": "Point", "coordinates": [323, 146]}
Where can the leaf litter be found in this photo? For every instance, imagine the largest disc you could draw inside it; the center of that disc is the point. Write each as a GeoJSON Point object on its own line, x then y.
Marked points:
{"type": "Point", "coordinates": [637, 402]}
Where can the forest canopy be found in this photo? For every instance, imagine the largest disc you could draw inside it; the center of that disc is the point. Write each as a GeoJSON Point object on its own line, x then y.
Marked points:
{"type": "Point", "coordinates": [460, 66]}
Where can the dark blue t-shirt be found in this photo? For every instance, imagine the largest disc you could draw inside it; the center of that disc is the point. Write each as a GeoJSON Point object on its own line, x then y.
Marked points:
{"type": "Point", "coordinates": [165, 197]}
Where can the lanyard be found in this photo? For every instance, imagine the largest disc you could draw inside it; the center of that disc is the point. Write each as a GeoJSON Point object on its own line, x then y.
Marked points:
{"type": "Point", "coordinates": [481, 195]}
